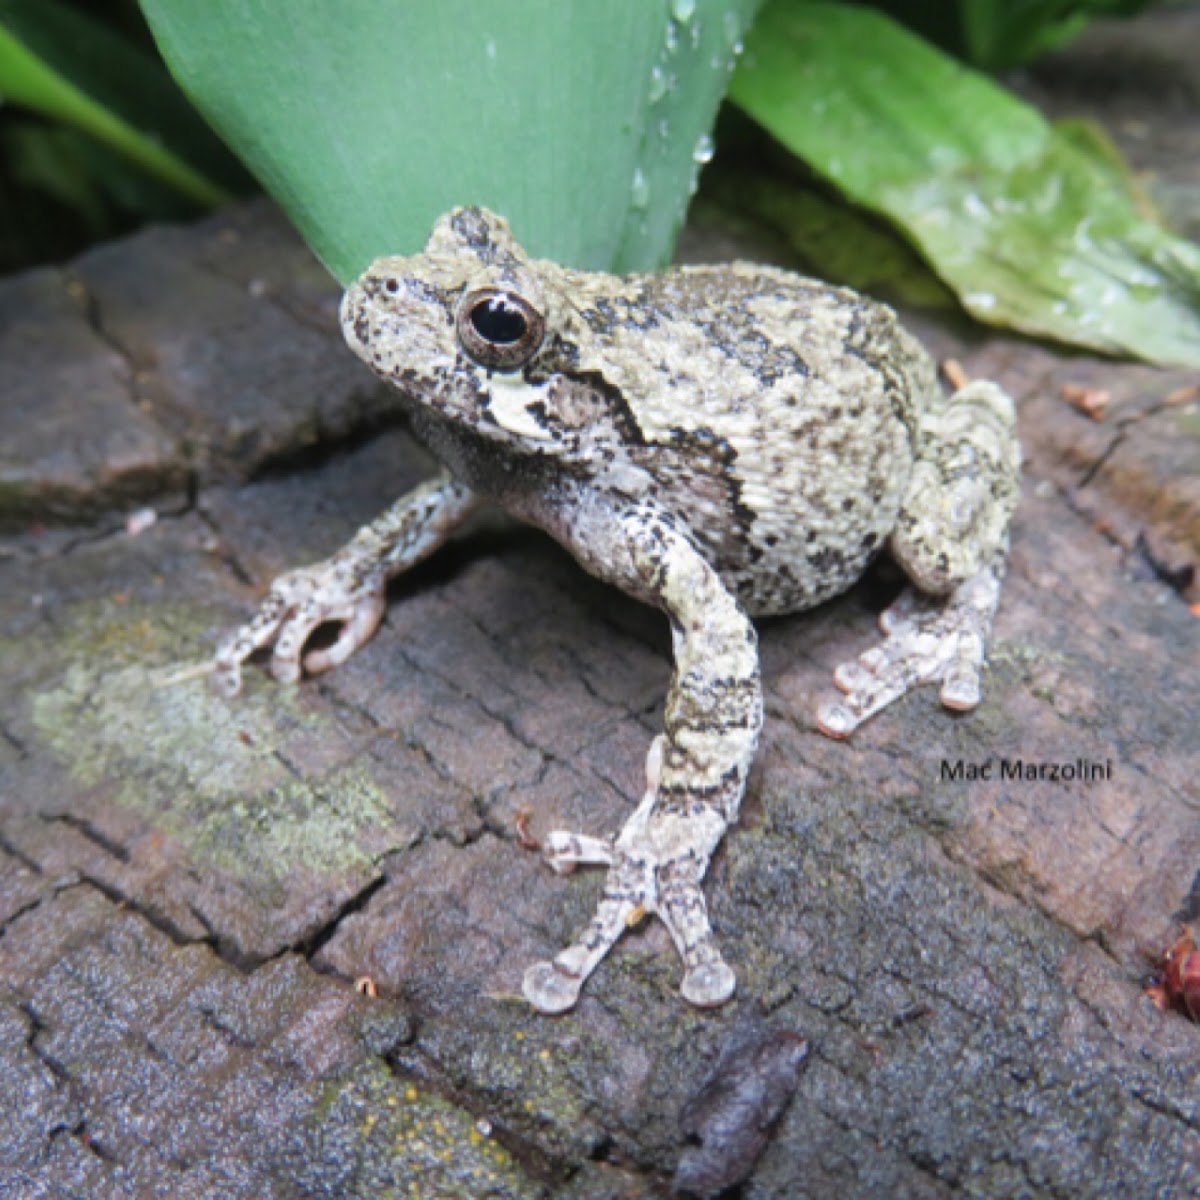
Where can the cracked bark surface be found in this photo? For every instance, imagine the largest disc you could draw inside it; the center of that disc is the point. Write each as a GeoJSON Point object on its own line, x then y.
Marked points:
{"type": "Point", "coordinates": [189, 886]}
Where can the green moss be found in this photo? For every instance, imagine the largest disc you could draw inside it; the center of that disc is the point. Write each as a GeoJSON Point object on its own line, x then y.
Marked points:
{"type": "Point", "coordinates": [209, 770]}
{"type": "Point", "coordinates": [15, 503]}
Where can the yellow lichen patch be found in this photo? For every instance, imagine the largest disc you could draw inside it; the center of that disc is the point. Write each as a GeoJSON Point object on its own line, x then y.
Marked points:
{"type": "Point", "coordinates": [415, 1143]}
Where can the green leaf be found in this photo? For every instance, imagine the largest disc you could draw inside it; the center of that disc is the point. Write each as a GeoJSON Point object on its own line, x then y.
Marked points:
{"type": "Point", "coordinates": [60, 63]}
{"type": "Point", "coordinates": [998, 34]}
{"type": "Point", "coordinates": [580, 122]}
{"type": "Point", "coordinates": [833, 239]}
{"type": "Point", "coordinates": [45, 159]}
{"type": "Point", "coordinates": [1031, 229]}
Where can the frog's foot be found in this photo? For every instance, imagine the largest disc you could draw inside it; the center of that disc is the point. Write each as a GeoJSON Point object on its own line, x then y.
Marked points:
{"type": "Point", "coordinates": [347, 589]}
{"type": "Point", "coordinates": [641, 880]}
{"type": "Point", "coordinates": [926, 640]}
{"type": "Point", "coordinates": [637, 885]}
{"type": "Point", "coordinates": [297, 604]}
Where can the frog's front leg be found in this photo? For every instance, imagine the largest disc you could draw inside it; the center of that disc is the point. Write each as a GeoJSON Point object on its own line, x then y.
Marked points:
{"type": "Point", "coordinates": [952, 542]}
{"type": "Point", "coordinates": [696, 773]}
{"type": "Point", "coordinates": [348, 588]}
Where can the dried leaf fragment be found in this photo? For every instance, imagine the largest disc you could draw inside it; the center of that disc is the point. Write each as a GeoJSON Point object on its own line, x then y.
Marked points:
{"type": "Point", "coordinates": [729, 1118]}
{"type": "Point", "coordinates": [1091, 401]}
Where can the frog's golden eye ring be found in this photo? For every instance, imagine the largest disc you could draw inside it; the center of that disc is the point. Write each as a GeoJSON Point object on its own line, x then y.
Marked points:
{"type": "Point", "coordinates": [499, 329]}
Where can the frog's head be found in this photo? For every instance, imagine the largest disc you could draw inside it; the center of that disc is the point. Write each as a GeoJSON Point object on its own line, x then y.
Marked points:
{"type": "Point", "coordinates": [488, 338]}
{"type": "Point", "coordinates": [461, 327]}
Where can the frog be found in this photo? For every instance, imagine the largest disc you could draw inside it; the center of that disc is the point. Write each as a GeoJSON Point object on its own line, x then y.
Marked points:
{"type": "Point", "coordinates": [725, 442]}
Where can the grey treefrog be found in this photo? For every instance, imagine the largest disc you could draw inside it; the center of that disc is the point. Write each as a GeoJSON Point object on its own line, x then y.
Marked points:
{"type": "Point", "coordinates": [721, 441]}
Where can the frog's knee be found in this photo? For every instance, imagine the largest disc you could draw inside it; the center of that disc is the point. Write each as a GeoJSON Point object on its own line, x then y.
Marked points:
{"type": "Point", "coordinates": [950, 529]}
{"type": "Point", "coordinates": [964, 487]}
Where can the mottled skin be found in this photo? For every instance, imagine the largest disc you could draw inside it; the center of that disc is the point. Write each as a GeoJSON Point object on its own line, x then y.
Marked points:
{"type": "Point", "coordinates": [721, 441]}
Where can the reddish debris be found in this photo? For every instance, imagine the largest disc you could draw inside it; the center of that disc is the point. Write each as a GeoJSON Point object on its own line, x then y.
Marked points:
{"type": "Point", "coordinates": [1184, 395]}
{"type": "Point", "coordinates": [1177, 985]}
{"type": "Point", "coordinates": [525, 839]}
{"type": "Point", "coordinates": [1090, 401]}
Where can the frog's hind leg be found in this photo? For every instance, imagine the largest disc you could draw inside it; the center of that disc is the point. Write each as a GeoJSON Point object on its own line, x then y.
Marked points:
{"type": "Point", "coordinates": [696, 773]}
{"type": "Point", "coordinates": [951, 539]}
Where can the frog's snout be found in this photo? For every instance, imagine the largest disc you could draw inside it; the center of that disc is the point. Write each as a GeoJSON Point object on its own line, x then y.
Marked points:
{"type": "Point", "coordinates": [356, 327]}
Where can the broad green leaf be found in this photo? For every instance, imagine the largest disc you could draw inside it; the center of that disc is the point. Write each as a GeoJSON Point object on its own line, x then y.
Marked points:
{"type": "Point", "coordinates": [1029, 228]}
{"type": "Point", "coordinates": [583, 123]}
{"type": "Point", "coordinates": [1092, 140]}
{"type": "Point", "coordinates": [60, 63]}
{"type": "Point", "coordinates": [833, 239]}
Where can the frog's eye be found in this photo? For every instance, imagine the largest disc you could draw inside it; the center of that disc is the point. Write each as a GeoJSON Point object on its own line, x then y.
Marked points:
{"type": "Point", "coordinates": [499, 329]}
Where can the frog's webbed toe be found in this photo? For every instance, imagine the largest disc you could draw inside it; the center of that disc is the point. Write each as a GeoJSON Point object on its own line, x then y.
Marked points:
{"type": "Point", "coordinates": [710, 985]}
{"type": "Point", "coordinates": [638, 884]}
{"type": "Point", "coordinates": [565, 851]}
{"type": "Point", "coordinates": [296, 606]}
{"type": "Point", "coordinates": [926, 640]}
{"type": "Point", "coordinates": [553, 987]}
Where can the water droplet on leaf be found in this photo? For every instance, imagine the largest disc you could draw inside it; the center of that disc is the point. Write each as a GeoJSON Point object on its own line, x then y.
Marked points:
{"type": "Point", "coordinates": [639, 195]}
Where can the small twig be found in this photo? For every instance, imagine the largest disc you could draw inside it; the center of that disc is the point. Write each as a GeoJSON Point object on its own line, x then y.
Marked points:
{"type": "Point", "coordinates": [955, 373]}
{"type": "Point", "coordinates": [183, 674]}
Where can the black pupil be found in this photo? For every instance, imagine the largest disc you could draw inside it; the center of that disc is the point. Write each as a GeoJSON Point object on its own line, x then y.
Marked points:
{"type": "Point", "coordinates": [497, 321]}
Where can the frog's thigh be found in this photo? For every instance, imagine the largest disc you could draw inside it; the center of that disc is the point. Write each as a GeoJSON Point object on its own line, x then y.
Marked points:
{"type": "Point", "coordinates": [964, 487]}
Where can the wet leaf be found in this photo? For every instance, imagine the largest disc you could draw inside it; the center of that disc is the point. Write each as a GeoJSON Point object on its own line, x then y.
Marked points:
{"type": "Point", "coordinates": [584, 124]}
{"type": "Point", "coordinates": [834, 240]}
{"type": "Point", "coordinates": [1029, 227]}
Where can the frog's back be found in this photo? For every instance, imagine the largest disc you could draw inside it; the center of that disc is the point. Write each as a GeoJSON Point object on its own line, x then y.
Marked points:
{"type": "Point", "coordinates": [778, 415]}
